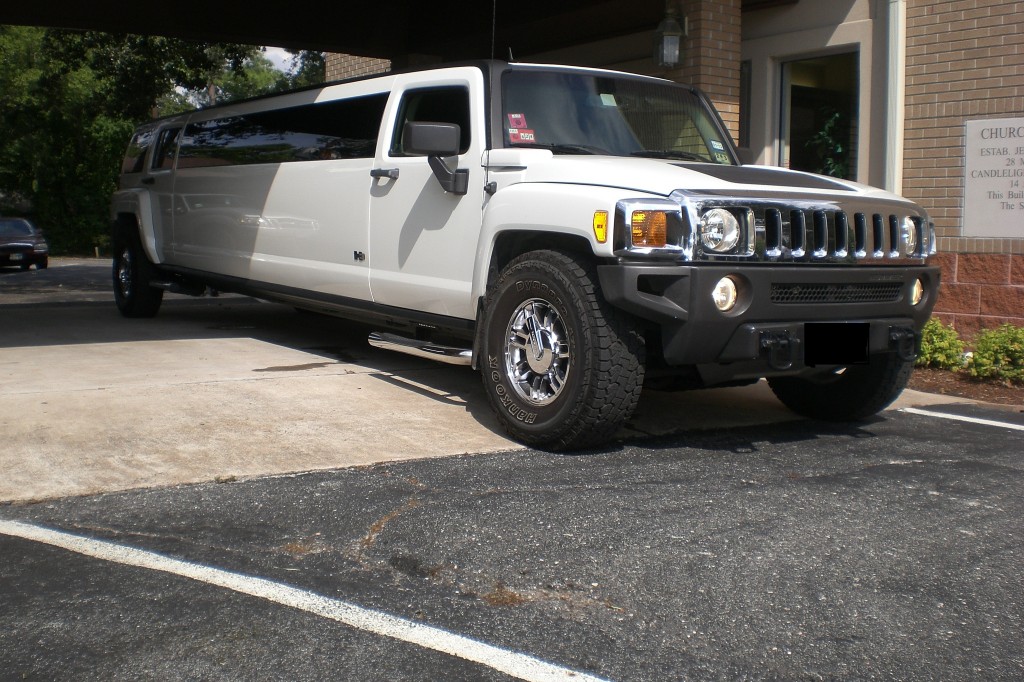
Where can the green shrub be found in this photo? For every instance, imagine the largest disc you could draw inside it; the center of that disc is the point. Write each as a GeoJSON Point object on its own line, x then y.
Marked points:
{"type": "Point", "coordinates": [999, 354]}
{"type": "Point", "coordinates": [941, 347]}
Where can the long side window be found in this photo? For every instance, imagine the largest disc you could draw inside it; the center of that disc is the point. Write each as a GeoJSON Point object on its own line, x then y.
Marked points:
{"type": "Point", "coordinates": [437, 105]}
{"type": "Point", "coordinates": [339, 129]}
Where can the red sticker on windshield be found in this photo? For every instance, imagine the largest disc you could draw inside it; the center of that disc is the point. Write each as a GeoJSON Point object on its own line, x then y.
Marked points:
{"type": "Point", "coordinates": [521, 135]}
{"type": "Point", "coordinates": [517, 120]}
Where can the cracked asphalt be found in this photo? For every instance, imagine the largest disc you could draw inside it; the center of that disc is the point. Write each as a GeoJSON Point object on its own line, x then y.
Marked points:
{"type": "Point", "coordinates": [795, 551]}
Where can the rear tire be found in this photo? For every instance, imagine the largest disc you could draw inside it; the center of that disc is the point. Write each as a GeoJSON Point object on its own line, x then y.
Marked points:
{"type": "Point", "coordinates": [132, 273]}
{"type": "Point", "coordinates": [849, 394]}
{"type": "Point", "coordinates": [562, 368]}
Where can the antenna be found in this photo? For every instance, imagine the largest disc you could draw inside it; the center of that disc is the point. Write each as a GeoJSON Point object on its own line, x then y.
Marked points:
{"type": "Point", "coordinates": [494, 23]}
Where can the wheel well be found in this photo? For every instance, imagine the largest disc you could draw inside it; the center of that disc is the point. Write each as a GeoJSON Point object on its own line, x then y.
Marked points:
{"type": "Point", "coordinates": [512, 244]}
{"type": "Point", "coordinates": [124, 223]}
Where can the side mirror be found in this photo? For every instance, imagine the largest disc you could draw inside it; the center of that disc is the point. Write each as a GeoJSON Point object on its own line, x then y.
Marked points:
{"type": "Point", "coordinates": [435, 140]}
{"type": "Point", "coordinates": [431, 139]}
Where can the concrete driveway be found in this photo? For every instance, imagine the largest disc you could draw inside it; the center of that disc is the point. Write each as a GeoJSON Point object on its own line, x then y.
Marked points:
{"type": "Point", "coordinates": [230, 387]}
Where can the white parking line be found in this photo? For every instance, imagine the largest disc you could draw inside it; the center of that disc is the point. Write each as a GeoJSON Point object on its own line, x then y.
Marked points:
{"type": "Point", "coordinates": [511, 663]}
{"type": "Point", "coordinates": [961, 418]}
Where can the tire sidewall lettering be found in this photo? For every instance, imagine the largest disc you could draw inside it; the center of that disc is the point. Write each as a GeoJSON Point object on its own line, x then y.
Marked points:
{"type": "Point", "coordinates": [504, 398]}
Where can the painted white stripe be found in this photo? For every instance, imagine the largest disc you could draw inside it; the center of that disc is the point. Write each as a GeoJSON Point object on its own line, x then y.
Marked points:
{"type": "Point", "coordinates": [961, 418]}
{"type": "Point", "coordinates": [511, 663]}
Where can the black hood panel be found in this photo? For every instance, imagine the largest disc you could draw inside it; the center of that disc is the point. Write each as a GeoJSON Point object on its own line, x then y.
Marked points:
{"type": "Point", "coordinates": [750, 175]}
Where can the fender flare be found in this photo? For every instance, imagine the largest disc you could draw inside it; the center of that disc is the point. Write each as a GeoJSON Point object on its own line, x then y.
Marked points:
{"type": "Point", "coordinates": [138, 204]}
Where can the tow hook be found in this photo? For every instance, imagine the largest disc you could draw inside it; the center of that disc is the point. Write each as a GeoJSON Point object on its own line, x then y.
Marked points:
{"type": "Point", "coordinates": [780, 347]}
{"type": "Point", "coordinates": [905, 341]}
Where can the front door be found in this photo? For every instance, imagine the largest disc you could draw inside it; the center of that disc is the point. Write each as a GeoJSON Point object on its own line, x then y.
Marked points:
{"type": "Point", "coordinates": [423, 240]}
{"type": "Point", "coordinates": [160, 179]}
{"type": "Point", "coordinates": [819, 119]}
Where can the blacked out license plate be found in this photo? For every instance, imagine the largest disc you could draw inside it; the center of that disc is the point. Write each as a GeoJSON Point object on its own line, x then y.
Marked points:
{"type": "Point", "coordinates": [836, 343]}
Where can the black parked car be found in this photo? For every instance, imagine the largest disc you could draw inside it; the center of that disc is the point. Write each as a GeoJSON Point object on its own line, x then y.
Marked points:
{"type": "Point", "coordinates": [22, 244]}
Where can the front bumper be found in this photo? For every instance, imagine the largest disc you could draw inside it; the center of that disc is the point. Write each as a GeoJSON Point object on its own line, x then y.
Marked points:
{"type": "Point", "coordinates": [776, 326]}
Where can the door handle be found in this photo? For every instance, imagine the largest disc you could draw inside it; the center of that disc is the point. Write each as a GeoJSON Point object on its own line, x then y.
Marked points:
{"type": "Point", "coordinates": [148, 180]}
{"type": "Point", "coordinates": [391, 173]}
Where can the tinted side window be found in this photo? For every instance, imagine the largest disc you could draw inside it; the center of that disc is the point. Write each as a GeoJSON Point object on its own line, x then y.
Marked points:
{"type": "Point", "coordinates": [340, 129]}
{"type": "Point", "coordinates": [438, 105]}
{"type": "Point", "coordinates": [135, 157]}
{"type": "Point", "coordinates": [163, 153]}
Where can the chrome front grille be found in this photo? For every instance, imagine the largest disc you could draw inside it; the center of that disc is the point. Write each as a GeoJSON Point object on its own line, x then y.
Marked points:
{"type": "Point", "coordinates": [828, 230]}
{"type": "Point", "coordinates": [818, 234]}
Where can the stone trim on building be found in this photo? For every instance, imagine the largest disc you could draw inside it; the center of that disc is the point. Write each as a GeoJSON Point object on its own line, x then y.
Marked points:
{"type": "Point", "coordinates": [980, 291]}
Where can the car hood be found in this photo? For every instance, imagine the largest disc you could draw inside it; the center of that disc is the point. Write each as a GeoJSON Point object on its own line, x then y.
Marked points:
{"type": "Point", "coordinates": [663, 177]}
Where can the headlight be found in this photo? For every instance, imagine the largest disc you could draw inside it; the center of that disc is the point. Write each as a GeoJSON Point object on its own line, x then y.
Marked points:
{"type": "Point", "coordinates": [908, 236]}
{"type": "Point", "coordinates": [719, 230]}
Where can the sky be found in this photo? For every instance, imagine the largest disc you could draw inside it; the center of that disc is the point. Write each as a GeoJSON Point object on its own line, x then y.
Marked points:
{"type": "Point", "coordinates": [279, 57]}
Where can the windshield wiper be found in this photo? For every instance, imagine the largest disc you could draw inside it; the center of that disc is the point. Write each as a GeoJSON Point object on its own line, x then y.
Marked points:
{"type": "Point", "coordinates": [563, 148]}
{"type": "Point", "coordinates": [671, 154]}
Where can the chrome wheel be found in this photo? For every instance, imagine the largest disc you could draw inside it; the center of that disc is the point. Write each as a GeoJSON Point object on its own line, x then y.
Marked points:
{"type": "Point", "coordinates": [537, 360]}
{"type": "Point", "coordinates": [124, 273]}
{"type": "Point", "coordinates": [132, 273]}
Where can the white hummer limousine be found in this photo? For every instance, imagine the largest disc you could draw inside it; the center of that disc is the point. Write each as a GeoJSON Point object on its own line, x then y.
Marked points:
{"type": "Point", "coordinates": [571, 233]}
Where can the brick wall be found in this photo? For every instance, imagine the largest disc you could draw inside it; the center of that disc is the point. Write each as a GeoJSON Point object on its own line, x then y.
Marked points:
{"type": "Point", "coordinates": [965, 61]}
{"type": "Point", "coordinates": [342, 66]}
{"type": "Point", "coordinates": [711, 59]}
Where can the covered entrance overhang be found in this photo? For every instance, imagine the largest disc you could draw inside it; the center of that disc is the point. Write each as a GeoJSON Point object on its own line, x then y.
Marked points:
{"type": "Point", "coordinates": [393, 29]}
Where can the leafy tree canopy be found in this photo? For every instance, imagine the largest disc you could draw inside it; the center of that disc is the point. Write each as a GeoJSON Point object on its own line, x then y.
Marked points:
{"type": "Point", "coordinates": [71, 100]}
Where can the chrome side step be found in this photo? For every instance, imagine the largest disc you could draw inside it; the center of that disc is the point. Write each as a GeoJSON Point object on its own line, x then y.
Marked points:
{"type": "Point", "coordinates": [422, 349]}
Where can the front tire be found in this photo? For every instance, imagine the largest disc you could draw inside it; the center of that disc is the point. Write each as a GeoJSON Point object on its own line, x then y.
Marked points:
{"type": "Point", "coordinates": [562, 368]}
{"type": "Point", "coordinates": [132, 273]}
{"type": "Point", "coordinates": [848, 394]}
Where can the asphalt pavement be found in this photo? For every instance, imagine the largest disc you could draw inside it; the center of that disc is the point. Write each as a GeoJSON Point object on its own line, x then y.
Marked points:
{"type": "Point", "coordinates": [739, 543]}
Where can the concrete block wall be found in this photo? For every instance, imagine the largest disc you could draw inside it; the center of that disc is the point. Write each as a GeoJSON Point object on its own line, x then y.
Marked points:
{"type": "Point", "coordinates": [980, 291]}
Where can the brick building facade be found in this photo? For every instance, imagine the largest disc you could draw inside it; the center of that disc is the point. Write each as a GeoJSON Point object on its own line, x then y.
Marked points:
{"type": "Point", "coordinates": [965, 61]}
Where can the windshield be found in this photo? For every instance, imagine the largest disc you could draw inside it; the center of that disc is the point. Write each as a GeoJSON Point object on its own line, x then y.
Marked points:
{"type": "Point", "coordinates": [580, 113]}
{"type": "Point", "coordinates": [15, 228]}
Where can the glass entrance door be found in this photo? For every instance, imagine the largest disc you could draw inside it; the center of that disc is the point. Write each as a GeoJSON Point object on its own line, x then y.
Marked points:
{"type": "Point", "coordinates": [820, 115]}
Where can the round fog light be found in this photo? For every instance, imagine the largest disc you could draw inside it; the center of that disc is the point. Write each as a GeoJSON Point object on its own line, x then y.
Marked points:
{"type": "Point", "coordinates": [724, 294]}
{"type": "Point", "coordinates": [917, 293]}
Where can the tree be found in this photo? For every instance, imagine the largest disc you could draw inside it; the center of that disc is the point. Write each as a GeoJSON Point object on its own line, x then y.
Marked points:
{"type": "Point", "coordinates": [307, 68]}
{"type": "Point", "coordinates": [71, 100]}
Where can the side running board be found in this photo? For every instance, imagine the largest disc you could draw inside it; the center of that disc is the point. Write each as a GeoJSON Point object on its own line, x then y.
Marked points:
{"type": "Point", "coordinates": [422, 349]}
